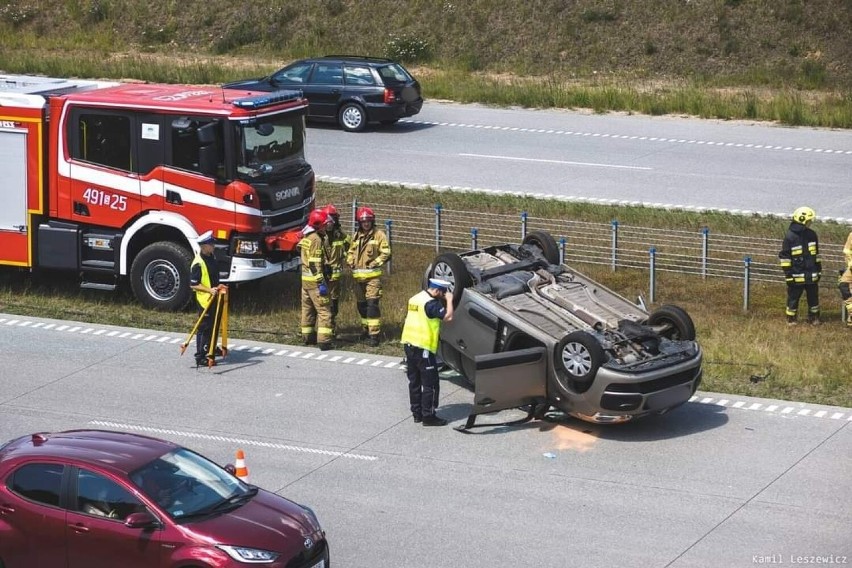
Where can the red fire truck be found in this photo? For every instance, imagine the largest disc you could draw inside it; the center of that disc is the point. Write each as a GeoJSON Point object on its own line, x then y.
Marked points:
{"type": "Point", "coordinates": [116, 181]}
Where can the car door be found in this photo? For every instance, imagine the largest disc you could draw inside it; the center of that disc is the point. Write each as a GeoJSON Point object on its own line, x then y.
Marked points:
{"type": "Point", "coordinates": [30, 503]}
{"type": "Point", "coordinates": [97, 535]}
{"type": "Point", "coordinates": [472, 331]}
{"type": "Point", "coordinates": [509, 379]}
{"type": "Point", "coordinates": [324, 89]}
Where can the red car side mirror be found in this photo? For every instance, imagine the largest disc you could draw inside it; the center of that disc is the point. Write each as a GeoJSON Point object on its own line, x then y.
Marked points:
{"type": "Point", "coordinates": [143, 520]}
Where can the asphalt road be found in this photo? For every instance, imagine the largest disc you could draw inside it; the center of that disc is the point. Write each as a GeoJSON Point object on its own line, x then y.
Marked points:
{"type": "Point", "coordinates": [721, 481]}
{"type": "Point", "coordinates": [612, 158]}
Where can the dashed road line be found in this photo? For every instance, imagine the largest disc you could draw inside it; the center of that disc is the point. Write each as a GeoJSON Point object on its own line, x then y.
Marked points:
{"type": "Point", "coordinates": [230, 440]}
{"type": "Point", "coordinates": [385, 364]}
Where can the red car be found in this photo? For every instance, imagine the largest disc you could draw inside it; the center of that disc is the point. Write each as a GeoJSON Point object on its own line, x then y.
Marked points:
{"type": "Point", "coordinates": [92, 498]}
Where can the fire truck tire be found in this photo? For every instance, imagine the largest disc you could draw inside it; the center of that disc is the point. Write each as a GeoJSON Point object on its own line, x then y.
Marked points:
{"type": "Point", "coordinates": [159, 276]}
{"type": "Point", "coordinates": [352, 117]}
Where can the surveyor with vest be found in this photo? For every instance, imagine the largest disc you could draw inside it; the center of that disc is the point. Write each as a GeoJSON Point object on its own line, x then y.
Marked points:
{"type": "Point", "coordinates": [316, 302]}
{"type": "Point", "coordinates": [799, 259]}
{"type": "Point", "coordinates": [420, 333]}
{"type": "Point", "coordinates": [337, 245]}
{"type": "Point", "coordinates": [204, 280]}
{"type": "Point", "coordinates": [369, 251]}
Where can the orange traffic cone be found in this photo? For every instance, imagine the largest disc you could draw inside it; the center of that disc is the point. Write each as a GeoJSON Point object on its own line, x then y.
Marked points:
{"type": "Point", "coordinates": [240, 466]}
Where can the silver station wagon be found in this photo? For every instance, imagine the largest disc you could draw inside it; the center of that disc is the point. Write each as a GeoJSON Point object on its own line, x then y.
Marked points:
{"type": "Point", "coordinates": [531, 332]}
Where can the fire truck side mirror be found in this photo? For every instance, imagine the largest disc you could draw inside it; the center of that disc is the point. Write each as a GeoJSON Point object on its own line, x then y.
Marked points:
{"type": "Point", "coordinates": [207, 134]}
{"type": "Point", "coordinates": [208, 160]}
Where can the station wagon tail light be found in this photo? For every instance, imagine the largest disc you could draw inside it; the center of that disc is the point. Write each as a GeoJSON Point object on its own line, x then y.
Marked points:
{"type": "Point", "coordinates": [390, 98]}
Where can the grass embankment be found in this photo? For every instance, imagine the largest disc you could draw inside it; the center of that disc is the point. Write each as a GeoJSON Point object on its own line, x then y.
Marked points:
{"type": "Point", "coordinates": [751, 353]}
{"type": "Point", "coordinates": [775, 60]}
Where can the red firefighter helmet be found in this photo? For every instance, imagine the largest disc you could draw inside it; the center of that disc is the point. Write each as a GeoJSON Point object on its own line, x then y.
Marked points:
{"type": "Point", "coordinates": [331, 211]}
{"type": "Point", "coordinates": [365, 214]}
{"type": "Point", "coordinates": [317, 218]}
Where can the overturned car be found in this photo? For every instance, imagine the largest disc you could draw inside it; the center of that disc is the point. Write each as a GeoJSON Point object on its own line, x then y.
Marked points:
{"type": "Point", "coordinates": [531, 332]}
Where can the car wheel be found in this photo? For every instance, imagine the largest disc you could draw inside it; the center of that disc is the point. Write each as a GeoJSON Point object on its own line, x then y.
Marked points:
{"type": "Point", "coordinates": [545, 242]}
{"type": "Point", "coordinates": [159, 276]}
{"type": "Point", "coordinates": [578, 357]}
{"type": "Point", "coordinates": [672, 323]}
{"type": "Point", "coordinates": [451, 267]}
{"type": "Point", "coordinates": [352, 117]}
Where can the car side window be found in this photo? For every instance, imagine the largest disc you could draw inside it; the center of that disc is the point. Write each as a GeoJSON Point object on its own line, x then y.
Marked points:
{"type": "Point", "coordinates": [358, 75]}
{"type": "Point", "coordinates": [295, 74]}
{"type": "Point", "coordinates": [328, 74]}
{"type": "Point", "coordinates": [102, 497]}
{"type": "Point", "coordinates": [39, 482]}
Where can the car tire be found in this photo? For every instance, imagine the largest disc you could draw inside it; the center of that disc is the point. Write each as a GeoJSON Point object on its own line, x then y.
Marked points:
{"type": "Point", "coordinates": [449, 266]}
{"type": "Point", "coordinates": [577, 359]}
{"type": "Point", "coordinates": [159, 276]}
{"type": "Point", "coordinates": [674, 322]}
{"type": "Point", "coordinates": [545, 242]}
{"type": "Point", "coordinates": [352, 117]}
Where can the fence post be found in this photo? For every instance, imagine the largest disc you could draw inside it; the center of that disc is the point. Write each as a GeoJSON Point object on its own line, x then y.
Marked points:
{"type": "Point", "coordinates": [562, 242]}
{"type": "Point", "coordinates": [437, 228]}
{"type": "Point", "coordinates": [388, 225]}
{"type": "Point", "coordinates": [614, 261]}
{"type": "Point", "coordinates": [523, 225]}
{"type": "Point", "coordinates": [653, 290]}
{"type": "Point", "coordinates": [473, 239]}
{"type": "Point", "coordinates": [746, 282]}
{"type": "Point", "coordinates": [354, 220]}
{"type": "Point", "coordinates": [705, 249]}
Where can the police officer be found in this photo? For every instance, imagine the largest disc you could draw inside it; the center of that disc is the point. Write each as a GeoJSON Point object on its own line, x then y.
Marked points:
{"type": "Point", "coordinates": [846, 281]}
{"type": "Point", "coordinates": [420, 332]}
{"type": "Point", "coordinates": [369, 251]}
{"type": "Point", "coordinates": [800, 261]}
{"type": "Point", "coordinates": [337, 245]}
{"type": "Point", "coordinates": [316, 303]}
{"type": "Point", "coordinates": [204, 280]}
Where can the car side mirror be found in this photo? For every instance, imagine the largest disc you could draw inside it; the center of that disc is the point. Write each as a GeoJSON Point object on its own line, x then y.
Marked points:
{"type": "Point", "coordinates": [143, 520]}
{"type": "Point", "coordinates": [230, 468]}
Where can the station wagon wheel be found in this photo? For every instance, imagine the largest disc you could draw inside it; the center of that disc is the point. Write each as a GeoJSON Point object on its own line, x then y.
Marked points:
{"type": "Point", "coordinates": [672, 322]}
{"type": "Point", "coordinates": [545, 243]}
{"type": "Point", "coordinates": [577, 359]}
{"type": "Point", "coordinates": [451, 267]}
{"type": "Point", "coordinates": [352, 117]}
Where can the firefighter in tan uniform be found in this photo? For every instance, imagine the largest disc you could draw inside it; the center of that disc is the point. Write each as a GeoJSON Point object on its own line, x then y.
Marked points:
{"type": "Point", "coordinates": [369, 251]}
{"type": "Point", "coordinates": [846, 281]}
{"type": "Point", "coordinates": [316, 302]}
{"type": "Point", "coordinates": [337, 245]}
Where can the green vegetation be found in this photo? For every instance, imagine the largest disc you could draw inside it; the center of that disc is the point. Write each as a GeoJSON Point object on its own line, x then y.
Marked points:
{"type": "Point", "coordinates": [776, 60]}
{"type": "Point", "coordinates": [800, 363]}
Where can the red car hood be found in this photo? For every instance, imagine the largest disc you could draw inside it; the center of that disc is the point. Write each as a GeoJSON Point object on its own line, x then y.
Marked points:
{"type": "Point", "coordinates": [268, 522]}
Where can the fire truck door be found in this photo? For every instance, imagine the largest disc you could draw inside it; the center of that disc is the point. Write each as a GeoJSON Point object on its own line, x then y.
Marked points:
{"type": "Point", "coordinates": [151, 132]}
{"type": "Point", "coordinates": [104, 184]}
{"type": "Point", "coordinates": [13, 197]}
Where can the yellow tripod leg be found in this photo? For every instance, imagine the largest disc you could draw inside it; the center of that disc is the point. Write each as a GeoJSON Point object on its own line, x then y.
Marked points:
{"type": "Point", "coordinates": [224, 326]}
{"type": "Point", "coordinates": [195, 328]}
{"type": "Point", "coordinates": [214, 337]}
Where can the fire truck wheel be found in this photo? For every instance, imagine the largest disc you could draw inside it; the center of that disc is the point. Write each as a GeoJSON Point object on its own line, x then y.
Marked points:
{"type": "Point", "coordinates": [159, 276]}
{"type": "Point", "coordinates": [352, 117]}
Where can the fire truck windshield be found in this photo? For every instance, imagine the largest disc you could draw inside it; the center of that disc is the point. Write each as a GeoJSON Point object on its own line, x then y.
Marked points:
{"type": "Point", "coordinates": [270, 146]}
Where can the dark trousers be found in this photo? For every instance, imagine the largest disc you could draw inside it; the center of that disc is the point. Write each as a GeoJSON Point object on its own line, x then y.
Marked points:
{"type": "Point", "coordinates": [794, 294]}
{"type": "Point", "coordinates": [204, 335]}
{"type": "Point", "coordinates": [423, 386]}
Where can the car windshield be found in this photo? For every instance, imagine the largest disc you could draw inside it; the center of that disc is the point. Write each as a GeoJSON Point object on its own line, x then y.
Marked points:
{"type": "Point", "coordinates": [185, 484]}
{"type": "Point", "coordinates": [394, 73]}
{"type": "Point", "coordinates": [270, 146]}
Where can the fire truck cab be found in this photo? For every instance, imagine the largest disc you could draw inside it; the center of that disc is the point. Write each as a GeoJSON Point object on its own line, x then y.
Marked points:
{"type": "Point", "coordinates": [116, 180]}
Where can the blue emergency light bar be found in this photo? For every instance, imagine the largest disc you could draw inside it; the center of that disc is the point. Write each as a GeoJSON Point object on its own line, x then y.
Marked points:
{"type": "Point", "coordinates": [267, 99]}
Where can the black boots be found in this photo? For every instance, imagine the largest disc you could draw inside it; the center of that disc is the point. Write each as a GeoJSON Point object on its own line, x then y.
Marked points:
{"type": "Point", "coordinates": [433, 420]}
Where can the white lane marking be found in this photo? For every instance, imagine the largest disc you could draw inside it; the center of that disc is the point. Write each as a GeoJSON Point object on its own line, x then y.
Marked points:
{"type": "Point", "coordinates": [393, 365]}
{"type": "Point", "coordinates": [626, 137]}
{"type": "Point", "coordinates": [567, 163]}
{"type": "Point", "coordinates": [241, 441]}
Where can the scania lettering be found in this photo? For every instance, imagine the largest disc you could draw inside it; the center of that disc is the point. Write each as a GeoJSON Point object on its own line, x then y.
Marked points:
{"type": "Point", "coordinates": [116, 180]}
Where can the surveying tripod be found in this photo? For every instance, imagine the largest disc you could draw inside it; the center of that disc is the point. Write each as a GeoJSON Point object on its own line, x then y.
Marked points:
{"type": "Point", "coordinates": [220, 326]}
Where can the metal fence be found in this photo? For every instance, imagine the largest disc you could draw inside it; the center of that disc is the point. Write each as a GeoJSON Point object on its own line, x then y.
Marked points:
{"type": "Point", "coordinates": [701, 253]}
